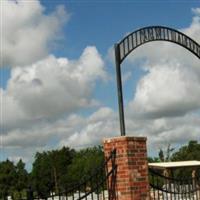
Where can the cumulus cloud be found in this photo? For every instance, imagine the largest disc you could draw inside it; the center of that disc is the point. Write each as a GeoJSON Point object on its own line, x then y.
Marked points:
{"type": "Point", "coordinates": [194, 29]}
{"type": "Point", "coordinates": [11, 113]}
{"type": "Point", "coordinates": [77, 131]}
{"type": "Point", "coordinates": [101, 124]}
{"type": "Point", "coordinates": [167, 90]}
{"type": "Point", "coordinates": [27, 33]}
{"type": "Point", "coordinates": [74, 130]}
{"type": "Point", "coordinates": [51, 87]}
{"type": "Point", "coordinates": [43, 90]}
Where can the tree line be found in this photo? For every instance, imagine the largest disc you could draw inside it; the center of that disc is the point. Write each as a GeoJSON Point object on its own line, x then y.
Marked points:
{"type": "Point", "coordinates": [56, 170]}
{"type": "Point", "coordinates": [191, 151]}
{"type": "Point", "coordinates": [52, 171]}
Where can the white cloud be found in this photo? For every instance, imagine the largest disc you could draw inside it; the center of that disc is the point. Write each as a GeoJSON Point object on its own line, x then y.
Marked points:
{"type": "Point", "coordinates": [167, 90]}
{"type": "Point", "coordinates": [74, 130]}
{"type": "Point", "coordinates": [101, 124]}
{"type": "Point", "coordinates": [126, 76]}
{"type": "Point", "coordinates": [194, 29]}
{"type": "Point", "coordinates": [78, 131]}
{"type": "Point", "coordinates": [196, 11]}
{"type": "Point", "coordinates": [11, 113]}
{"type": "Point", "coordinates": [27, 33]}
{"type": "Point", "coordinates": [51, 88]}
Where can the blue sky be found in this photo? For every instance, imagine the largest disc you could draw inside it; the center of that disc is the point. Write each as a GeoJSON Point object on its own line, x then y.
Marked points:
{"type": "Point", "coordinates": [73, 101]}
{"type": "Point", "coordinates": [113, 19]}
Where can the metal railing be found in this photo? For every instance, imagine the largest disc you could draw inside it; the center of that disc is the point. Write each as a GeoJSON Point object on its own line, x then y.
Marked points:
{"type": "Point", "coordinates": [94, 187]}
{"type": "Point", "coordinates": [170, 188]}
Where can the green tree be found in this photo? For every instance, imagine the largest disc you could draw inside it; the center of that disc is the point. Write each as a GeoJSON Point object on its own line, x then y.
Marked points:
{"type": "Point", "coordinates": [21, 178]}
{"type": "Point", "coordinates": [153, 159]}
{"type": "Point", "coordinates": [60, 159]}
{"type": "Point", "coordinates": [41, 177]}
{"type": "Point", "coordinates": [85, 162]}
{"type": "Point", "coordinates": [191, 151]}
{"type": "Point", "coordinates": [49, 168]}
{"type": "Point", "coordinates": [7, 178]}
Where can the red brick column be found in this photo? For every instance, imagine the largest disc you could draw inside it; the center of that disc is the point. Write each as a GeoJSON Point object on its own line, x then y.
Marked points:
{"type": "Point", "coordinates": [132, 169]}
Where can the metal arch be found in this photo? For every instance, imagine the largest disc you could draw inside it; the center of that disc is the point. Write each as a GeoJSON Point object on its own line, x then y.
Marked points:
{"type": "Point", "coordinates": [140, 37]}
{"type": "Point", "coordinates": [156, 33]}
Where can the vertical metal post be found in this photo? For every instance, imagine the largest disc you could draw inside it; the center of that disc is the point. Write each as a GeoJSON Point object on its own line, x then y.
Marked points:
{"type": "Point", "coordinates": [30, 193]}
{"type": "Point", "coordinates": [119, 90]}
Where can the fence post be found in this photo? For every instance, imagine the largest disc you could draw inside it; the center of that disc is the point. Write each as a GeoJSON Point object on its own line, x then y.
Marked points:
{"type": "Point", "coordinates": [132, 168]}
{"type": "Point", "coordinates": [30, 194]}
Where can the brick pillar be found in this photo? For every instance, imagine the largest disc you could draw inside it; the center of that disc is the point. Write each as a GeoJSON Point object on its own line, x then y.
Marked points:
{"type": "Point", "coordinates": [132, 168]}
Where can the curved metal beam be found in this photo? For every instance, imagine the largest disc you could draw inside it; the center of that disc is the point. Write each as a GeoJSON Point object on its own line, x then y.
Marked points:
{"type": "Point", "coordinates": [156, 33]}
{"type": "Point", "coordinates": [140, 37]}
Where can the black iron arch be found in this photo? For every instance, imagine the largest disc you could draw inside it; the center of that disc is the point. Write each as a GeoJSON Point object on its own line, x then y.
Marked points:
{"type": "Point", "coordinates": [140, 37]}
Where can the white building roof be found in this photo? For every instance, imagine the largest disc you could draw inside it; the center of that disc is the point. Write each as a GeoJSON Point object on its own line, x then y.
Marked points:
{"type": "Point", "coordinates": [179, 164]}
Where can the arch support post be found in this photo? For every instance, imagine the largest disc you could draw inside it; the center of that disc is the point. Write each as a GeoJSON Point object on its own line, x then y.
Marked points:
{"type": "Point", "coordinates": [119, 91]}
